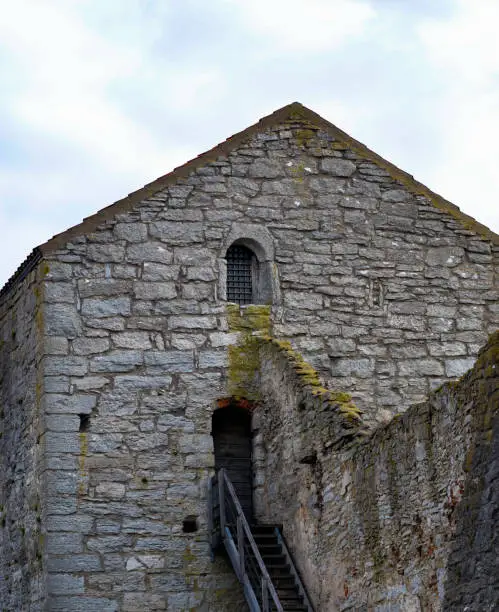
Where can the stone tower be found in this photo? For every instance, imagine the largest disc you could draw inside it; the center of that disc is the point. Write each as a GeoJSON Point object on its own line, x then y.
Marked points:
{"type": "Point", "coordinates": [291, 273]}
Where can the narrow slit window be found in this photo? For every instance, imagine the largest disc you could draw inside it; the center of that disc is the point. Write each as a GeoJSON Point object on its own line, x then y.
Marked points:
{"type": "Point", "coordinates": [239, 275]}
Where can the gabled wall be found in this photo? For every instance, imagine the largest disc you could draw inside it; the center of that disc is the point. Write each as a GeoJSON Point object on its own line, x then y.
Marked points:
{"type": "Point", "coordinates": [383, 293]}
{"type": "Point", "coordinates": [22, 562]}
{"type": "Point", "coordinates": [406, 518]}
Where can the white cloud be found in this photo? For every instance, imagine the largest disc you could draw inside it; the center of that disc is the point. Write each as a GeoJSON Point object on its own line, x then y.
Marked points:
{"type": "Point", "coordinates": [68, 70]}
{"type": "Point", "coordinates": [100, 97]}
{"type": "Point", "coordinates": [305, 26]}
{"type": "Point", "coordinates": [465, 49]}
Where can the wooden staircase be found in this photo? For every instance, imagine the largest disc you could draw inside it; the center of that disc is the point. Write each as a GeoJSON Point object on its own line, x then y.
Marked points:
{"type": "Point", "coordinates": [258, 554]}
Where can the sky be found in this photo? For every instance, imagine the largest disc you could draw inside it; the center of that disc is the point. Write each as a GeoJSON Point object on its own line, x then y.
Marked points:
{"type": "Point", "coordinates": [98, 97]}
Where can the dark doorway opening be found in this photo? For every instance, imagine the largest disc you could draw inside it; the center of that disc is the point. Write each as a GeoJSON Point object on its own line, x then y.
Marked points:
{"type": "Point", "coordinates": [231, 430]}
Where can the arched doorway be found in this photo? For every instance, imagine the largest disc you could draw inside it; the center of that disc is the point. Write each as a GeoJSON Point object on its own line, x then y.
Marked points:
{"type": "Point", "coordinates": [231, 430]}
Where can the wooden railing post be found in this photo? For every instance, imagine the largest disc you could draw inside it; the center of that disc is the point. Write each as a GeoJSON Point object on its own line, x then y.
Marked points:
{"type": "Point", "coordinates": [240, 545]}
{"type": "Point", "coordinates": [221, 501]}
{"type": "Point", "coordinates": [228, 500]}
{"type": "Point", "coordinates": [265, 595]}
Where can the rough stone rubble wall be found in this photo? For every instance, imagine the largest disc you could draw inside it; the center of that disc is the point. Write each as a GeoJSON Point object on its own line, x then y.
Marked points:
{"type": "Point", "coordinates": [405, 520]}
{"type": "Point", "coordinates": [22, 566]}
{"type": "Point", "coordinates": [383, 293]}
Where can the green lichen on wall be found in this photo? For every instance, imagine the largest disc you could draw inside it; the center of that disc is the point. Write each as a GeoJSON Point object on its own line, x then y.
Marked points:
{"type": "Point", "coordinates": [309, 378]}
{"type": "Point", "coordinates": [244, 358]}
{"type": "Point", "coordinates": [253, 324]}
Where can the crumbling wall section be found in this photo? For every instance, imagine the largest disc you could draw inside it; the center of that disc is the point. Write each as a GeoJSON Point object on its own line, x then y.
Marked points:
{"type": "Point", "coordinates": [405, 518]}
{"type": "Point", "coordinates": [22, 562]}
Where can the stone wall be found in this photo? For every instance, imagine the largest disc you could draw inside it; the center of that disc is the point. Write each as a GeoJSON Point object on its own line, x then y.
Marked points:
{"type": "Point", "coordinates": [385, 294]}
{"type": "Point", "coordinates": [22, 563]}
{"type": "Point", "coordinates": [403, 518]}
{"type": "Point", "coordinates": [132, 376]}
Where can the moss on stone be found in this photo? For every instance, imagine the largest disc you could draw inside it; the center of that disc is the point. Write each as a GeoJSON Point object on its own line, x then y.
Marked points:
{"type": "Point", "coordinates": [244, 358]}
{"type": "Point", "coordinates": [309, 378]}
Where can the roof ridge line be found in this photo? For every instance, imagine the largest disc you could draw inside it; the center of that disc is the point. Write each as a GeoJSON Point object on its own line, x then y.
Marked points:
{"type": "Point", "coordinates": [294, 110]}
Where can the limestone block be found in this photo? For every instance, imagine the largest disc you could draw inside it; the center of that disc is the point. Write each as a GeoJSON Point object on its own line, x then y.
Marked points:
{"type": "Point", "coordinates": [175, 233]}
{"type": "Point", "coordinates": [169, 361]}
{"type": "Point", "coordinates": [89, 346]}
{"type": "Point", "coordinates": [420, 367]}
{"type": "Point", "coordinates": [59, 292]}
{"type": "Point", "coordinates": [110, 490]}
{"type": "Point", "coordinates": [56, 345]}
{"type": "Point", "coordinates": [64, 543]}
{"type": "Point", "coordinates": [116, 361]}
{"type": "Point", "coordinates": [213, 359]}
{"type": "Point", "coordinates": [149, 252]}
{"type": "Point", "coordinates": [62, 320]}
{"type": "Point", "coordinates": [106, 307]}
{"type": "Point", "coordinates": [191, 256]}
{"type": "Point", "coordinates": [61, 422]}
{"type": "Point", "coordinates": [159, 272]}
{"type": "Point", "coordinates": [337, 167]}
{"type": "Point", "coordinates": [455, 368]}
{"type": "Point", "coordinates": [131, 232]}
{"type": "Point", "coordinates": [132, 340]}
{"type": "Point", "coordinates": [192, 322]}
{"type": "Point", "coordinates": [64, 584]}
{"type": "Point", "coordinates": [74, 563]}
{"type": "Point", "coordinates": [106, 253]}
{"type": "Point", "coordinates": [109, 543]}
{"type": "Point", "coordinates": [154, 291]}
{"type": "Point", "coordinates": [102, 287]}
{"type": "Point", "coordinates": [299, 300]}
{"type": "Point", "coordinates": [265, 168]}
{"type": "Point", "coordinates": [83, 604]}
{"type": "Point", "coordinates": [103, 443]}
{"type": "Point", "coordinates": [445, 256]}
{"type": "Point", "coordinates": [73, 366]}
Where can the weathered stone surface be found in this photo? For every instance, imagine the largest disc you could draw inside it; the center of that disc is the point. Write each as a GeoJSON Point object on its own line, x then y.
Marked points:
{"type": "Point", "coordinates": [88, 287]}
{"type": "Point", "coordinates": [89, 346]}
{"type": "Point", "coordinates": [115, 352]}
{"type": "Point", "coordinates": [106, 307]}
{"type": "Point", "coordinates": [169, 361]}
{"type": "Point", "coordinates": [105, 252]}
{"type": "Point", "coordinates": [73, 366]}
{"type": "Point", "coordinates": [131, 232]}
{"type": "Point", "coordinates": [338, 167]}
{"type": "Point", "coordinates": [116, 361]}
{"type": "Point", "coordinates": [159, 272]}
{"type": "Point", "coordinates": [413, 484]}
{"type": "Point", "coordinates": [149, 252]}
{"type": "Point", "coordinates": [265, 168]}
{"type": "Point", "coordinates": [62, 320]}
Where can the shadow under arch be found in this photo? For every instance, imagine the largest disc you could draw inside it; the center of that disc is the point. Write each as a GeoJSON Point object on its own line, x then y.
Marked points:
{"type": "Point", "coordinates": [232, 442]}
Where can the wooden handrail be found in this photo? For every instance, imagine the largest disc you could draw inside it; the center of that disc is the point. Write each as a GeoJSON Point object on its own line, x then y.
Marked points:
{"type": "Point", "coordinates": [242, 526]}
{"type": "Point", "coordinates": [293, 569]}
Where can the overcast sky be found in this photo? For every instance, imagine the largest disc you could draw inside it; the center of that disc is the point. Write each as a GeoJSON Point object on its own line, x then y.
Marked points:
{"type": "Point", "coordinates": [99, 97]}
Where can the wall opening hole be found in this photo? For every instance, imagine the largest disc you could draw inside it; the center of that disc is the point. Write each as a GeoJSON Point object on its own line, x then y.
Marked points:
{"type": "Point", "coordinates": [84, 422]}
{"type": "Point", "coordinates": [190, 524]}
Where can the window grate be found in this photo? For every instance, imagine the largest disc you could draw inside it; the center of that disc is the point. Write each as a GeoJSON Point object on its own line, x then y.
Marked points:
{"type": "Point", "coordinates": [239, 284]}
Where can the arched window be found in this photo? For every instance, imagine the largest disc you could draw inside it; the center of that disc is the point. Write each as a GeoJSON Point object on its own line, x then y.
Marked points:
{"type": "Point", "coordinates": [241, 268]}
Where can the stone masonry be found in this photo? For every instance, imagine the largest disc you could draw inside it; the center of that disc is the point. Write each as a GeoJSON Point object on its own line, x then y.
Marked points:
{"type": "Point", "coordinates": [403, 518]}
{"type": "Point", "coordinates": [116, 343]}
